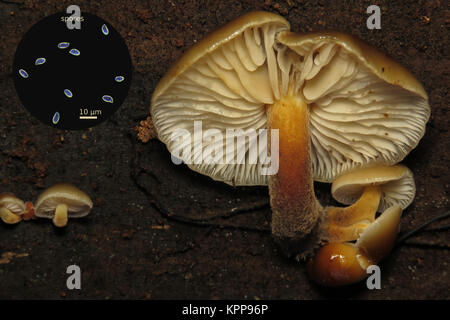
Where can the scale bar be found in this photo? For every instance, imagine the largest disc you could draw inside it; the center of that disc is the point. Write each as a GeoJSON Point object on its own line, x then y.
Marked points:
{"type": "Point", "coordinates": [88, 117]}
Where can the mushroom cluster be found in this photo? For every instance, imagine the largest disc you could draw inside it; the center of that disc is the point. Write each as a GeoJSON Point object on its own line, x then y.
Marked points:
{"type": "Point", "coordinates": [58, 203]}
{"type": "Point", "coordinates": [339, 111]}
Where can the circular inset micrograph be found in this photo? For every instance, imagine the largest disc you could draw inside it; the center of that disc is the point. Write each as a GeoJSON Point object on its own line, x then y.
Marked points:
{"type": "Point", "coordinates": [72, 78]}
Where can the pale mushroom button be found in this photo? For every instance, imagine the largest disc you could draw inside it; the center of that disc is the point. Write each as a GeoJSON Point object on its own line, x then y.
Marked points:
{"type": "Point", "coordinates": [61, 202]}
{"type": "Point", "coordinates": [11, 208]}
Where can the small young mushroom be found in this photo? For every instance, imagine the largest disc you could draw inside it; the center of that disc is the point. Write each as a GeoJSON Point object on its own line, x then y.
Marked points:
{"type": "Point", "coordinates": [336, 103]}
{"type": "Point", "coordinates": [337, 264]}
{"type": "Point", "coordinates": [62, 201]}
{"type": "Point", "coordinates": [368, 190]}
{"type": "Point", "coordinates": [11, 208]}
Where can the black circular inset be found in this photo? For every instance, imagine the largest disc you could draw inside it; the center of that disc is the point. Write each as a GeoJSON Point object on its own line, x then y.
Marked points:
{"type": "Point", "coordinates": [72, 78]}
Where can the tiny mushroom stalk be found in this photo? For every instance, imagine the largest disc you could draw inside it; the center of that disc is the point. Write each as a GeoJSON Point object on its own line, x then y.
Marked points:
{"type": "Point", "coordinates": [368, 190]}
{"type": "Point", "coordinates": [11, 208]}
{"type": "Point", "coordinates": [61, 215]}
{"type": "Point", "coordinates": [329, 103]}
{"type": "Point", "coordinates": [61, 202]}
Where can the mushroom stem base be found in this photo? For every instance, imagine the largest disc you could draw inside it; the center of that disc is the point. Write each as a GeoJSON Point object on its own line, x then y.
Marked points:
{"type": "Point", "coordinates": [9, 217]}
{"type": "Point", "coordinates": [60, 219]}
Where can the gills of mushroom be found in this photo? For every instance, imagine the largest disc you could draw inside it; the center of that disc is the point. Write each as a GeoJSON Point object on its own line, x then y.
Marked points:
{"type": "Point", "coordinates": [11, 208]}
{"type": "Point", "coordinates": [334, 103]}
{"type": "Point", "coordinates": [61, 202]}
{"type": "Point", "coordinates": [357, 99]}
{"type": "Point", "coordinates": [337, 264]}
{"type": "Point", "coordinates": [367, 190]}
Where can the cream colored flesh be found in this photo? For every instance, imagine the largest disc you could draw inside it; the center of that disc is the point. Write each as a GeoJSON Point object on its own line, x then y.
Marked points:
{"type": "Point", "coordinates": [346, 224]}
{"type": "Point", "coordinates": [9, 217]}
{"type": "Point", "coordinates": [61, 215]}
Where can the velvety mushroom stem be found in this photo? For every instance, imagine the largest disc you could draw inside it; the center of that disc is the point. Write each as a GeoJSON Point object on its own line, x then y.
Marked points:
{"type": "Point", "coordinates": [295, 210]}
{"type": "Point", "coordinates": [346, 224]}
{"type": "Point", "coordinates": [60, 219]}
{"type": "Point", "coordinates": [9, 217]}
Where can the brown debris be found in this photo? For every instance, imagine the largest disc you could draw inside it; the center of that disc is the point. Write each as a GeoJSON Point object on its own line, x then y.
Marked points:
{"type": "Point", "coordinates": [179, 43]}
{"type": "Point", "coordinates": [128, 234]}
{"type": "Point", "coordinates": [158, 227]}
{"type": "Point", "coordinates": [8, 256]}
{"type": "Point", "coordinates": [146, 130]}
{"type": "Point", "coordinates": [28, 153]}
{"type": "Point", "coordinates": [29, 213]}
{"type": "Point", "coordinates": [148, 295]}
{"type": "Point", "coordinates": [143, 15]}
{"type": "Point", "coordinates": [425, 19]}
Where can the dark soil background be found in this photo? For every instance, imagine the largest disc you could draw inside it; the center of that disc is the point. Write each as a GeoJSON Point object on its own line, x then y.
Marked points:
{"type": "Point", "coordinates": [161, 231]}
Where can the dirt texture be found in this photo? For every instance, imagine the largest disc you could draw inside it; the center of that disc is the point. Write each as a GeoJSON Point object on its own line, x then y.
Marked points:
{"type": "Point", "coordinates": [162, 231]}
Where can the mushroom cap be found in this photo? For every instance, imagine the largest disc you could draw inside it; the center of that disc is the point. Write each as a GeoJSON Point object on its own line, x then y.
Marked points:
{"type": "Point", "coordinates": [365, 109]}
{"type": "Point", "coordinates": [250, 24]}
{"type": "Point", "coordinates": [223, 81]}
{"type": "Point", "coordinates": [12, 203]}
{"type": "Point", "coordinates": [79, 204]}
{"type": "Point", "coordinates": [379, 238]}
{"type": "Point", "coordinates": [396, 182]}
